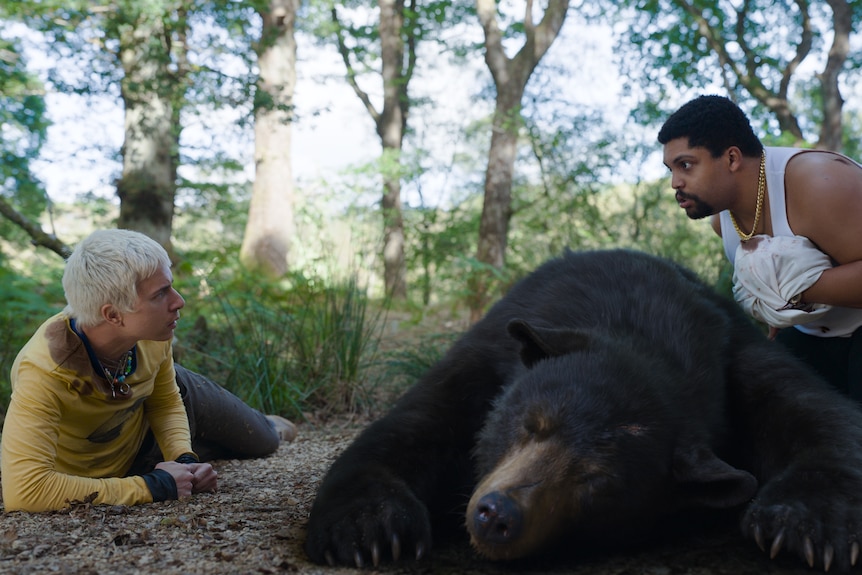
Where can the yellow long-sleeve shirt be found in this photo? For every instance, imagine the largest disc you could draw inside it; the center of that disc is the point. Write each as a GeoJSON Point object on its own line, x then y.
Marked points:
{"type": "Point", "coordinates": [65, 437]}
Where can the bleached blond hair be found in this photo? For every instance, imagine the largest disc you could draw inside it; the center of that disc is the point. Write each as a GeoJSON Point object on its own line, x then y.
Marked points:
{"type": "Point", "coordinates": [105, 268]}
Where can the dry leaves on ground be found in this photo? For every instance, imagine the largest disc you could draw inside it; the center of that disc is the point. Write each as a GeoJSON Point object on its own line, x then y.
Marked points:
{"type": "Point", "coordinates": [255, 524]}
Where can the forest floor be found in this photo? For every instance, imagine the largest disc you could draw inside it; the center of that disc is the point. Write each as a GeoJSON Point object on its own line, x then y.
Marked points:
{"type": "Point", "coordinates": [255, 523]}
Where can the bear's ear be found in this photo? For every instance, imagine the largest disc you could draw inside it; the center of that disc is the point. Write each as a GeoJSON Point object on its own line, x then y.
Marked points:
{"type": "Point", "coordinates": [704, 480]}
{"type": "Point", "coordinates": [539, 343]}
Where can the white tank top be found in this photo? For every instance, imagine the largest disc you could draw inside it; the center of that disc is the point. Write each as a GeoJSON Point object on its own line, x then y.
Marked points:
{"type": "Point", "coordinates": [838, 321]}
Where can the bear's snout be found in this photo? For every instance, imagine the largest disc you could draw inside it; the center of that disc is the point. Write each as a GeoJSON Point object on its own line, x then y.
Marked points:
{"type": "Point", "coordinates": [519, 506]}
{"type": "Point", "coordinates": [497, 519]}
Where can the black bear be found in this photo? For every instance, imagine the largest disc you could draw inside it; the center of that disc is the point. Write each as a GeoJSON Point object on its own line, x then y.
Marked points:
{"type": "Point", "coordinates": [605, 391]}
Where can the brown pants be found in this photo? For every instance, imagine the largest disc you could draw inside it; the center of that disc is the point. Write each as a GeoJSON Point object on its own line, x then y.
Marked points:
{"type": "Point", "coordinates": [221, 425]}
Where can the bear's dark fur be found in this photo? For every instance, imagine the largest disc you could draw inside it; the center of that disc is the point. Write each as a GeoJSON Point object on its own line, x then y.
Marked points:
{"type": "Point", "coordinates": [605, 391]}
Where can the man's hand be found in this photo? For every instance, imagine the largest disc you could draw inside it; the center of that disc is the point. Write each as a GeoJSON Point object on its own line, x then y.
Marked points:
{"type": "Point", "coordinates": [191, 477]}
{"type": "Point", "coordinates": [204, 477]}
{"type": "Point", "coordinates": [182, 474]}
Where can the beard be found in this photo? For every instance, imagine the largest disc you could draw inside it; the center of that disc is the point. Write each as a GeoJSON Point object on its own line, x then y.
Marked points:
{"type": "Point", "coordinates": [698, 208]}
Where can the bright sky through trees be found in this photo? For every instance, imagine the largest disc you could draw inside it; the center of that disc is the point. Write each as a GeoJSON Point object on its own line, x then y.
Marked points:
{"type": "Point", "coordinates": [332, 129]}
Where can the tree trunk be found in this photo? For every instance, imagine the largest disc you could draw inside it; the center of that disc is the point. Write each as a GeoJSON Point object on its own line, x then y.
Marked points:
{"type": "Point", "coordinates": [391, 123]}
{"type": "Point", "coordinates": [778, 100]}
{"type": "Point", "coordinates": [497, 203]}
{"type": "Point", "coordinates": [510, 79]}
{"type": "Point", "coordinates": [831, 130]}
{"type": "Point", "coordinates": [390, 128]}
{"type": "Point", "coordinates": [270, 229]}
{"type": "Point", "coordinates": [394, 263]}
{"type": "Point", "coordinates": [147, 185]}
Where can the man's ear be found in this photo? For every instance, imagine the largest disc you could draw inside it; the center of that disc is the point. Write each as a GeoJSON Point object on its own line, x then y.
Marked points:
{"type": "Point", "coordinates": [734, 158]}
{"type": "Point", "coordinates": [111, 314]}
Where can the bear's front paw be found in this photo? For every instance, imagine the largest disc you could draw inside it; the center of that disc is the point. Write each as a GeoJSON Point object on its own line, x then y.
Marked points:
{"type": "Point", "coordinates": [362, 530]}
{"type": "Point", "coordinates": [824, 536]}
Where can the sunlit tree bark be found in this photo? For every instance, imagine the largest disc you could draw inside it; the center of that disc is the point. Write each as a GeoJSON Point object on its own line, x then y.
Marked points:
{"type": "Point", "coordinates": [270, 229]}
{"type": "Point", "coordinates": [510, 79]}
{"type": "Point", "coordinates": [152, 55]}
{"type": "Point", "coordinates": [398, 59]}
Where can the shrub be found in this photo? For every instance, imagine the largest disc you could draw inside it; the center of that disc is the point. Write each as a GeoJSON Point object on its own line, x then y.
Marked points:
{"type": "Point", "coordinates": [287, 350]}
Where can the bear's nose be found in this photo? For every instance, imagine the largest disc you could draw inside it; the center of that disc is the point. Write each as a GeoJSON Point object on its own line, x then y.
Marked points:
{"type": "Point", "coordinates": [498, 519]}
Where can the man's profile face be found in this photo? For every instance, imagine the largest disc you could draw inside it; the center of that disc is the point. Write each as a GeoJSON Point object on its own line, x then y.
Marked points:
{"type": "Point", "coordinates": [157, 309]}
{"type": "Point", "coordinates": [692, 171]}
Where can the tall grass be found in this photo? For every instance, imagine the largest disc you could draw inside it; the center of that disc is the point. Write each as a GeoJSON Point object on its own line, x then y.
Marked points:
{"type": "Point", "coordinates": [405, 365]}
{"type": "Point", "coordinates": [293, 351]}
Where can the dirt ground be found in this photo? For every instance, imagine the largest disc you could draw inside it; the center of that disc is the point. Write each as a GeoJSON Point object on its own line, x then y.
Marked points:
{"type": "Point", "coordinates": [255, 524]}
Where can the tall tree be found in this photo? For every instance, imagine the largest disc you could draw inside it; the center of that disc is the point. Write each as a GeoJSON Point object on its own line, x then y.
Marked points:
{"type": "Point", "coordinates": [139, 52]}
{"type": "Point", "coordinates": [25, 125]}
{"type": "Point", "coordinates": [152, 52]}
{"type": "Point", "coordinates": [270, 227]}
{"type": "Point", "coordinates": [397, 33]}
{"type": "Point", "coordinates": [140, 47]}
{"type": "Point", "coordinates": [510, 75]}
{"type": "Point", "coordinates": [754, 47]}
{"type": "Point", "coordinates": [831, 129]}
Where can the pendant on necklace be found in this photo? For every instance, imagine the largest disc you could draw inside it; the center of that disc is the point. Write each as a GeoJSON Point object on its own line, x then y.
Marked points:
{"type": "Point", "coordinates": [119, 386]}
{"type": "Point", "coordinates": [117, 380]}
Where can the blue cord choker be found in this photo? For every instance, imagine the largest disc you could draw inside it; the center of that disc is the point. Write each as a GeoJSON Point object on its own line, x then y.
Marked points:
{"type": "Point", "coordinates": [117, 379]}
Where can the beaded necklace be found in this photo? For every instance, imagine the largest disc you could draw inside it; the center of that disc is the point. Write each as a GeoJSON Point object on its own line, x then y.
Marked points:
{"type": "Point", "coordinates": [118, 379]}
{"type": "Point", "coordinates": [122, 369]}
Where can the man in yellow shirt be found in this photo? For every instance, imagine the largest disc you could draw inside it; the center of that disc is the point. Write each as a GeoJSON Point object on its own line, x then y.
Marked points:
{"type": "Point", "coordinates": [98, 408]}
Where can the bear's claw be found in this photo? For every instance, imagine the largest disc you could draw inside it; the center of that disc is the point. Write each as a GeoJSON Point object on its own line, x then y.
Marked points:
{"type": "Point", "coordinates": [772, 529]}
{"type": "Point", "coordinates": [369, 530]}
{"type": "Point", "coordinates": [808, 550]}
{"type": "Point", "coordinates": [395, 544]}
{"type": "Point", "coordinates": [757, 533]}
{"type": "Point", "coordinates": [396, 548]}
{"type": "Point", "coordinates": [828, 556]}
{"type": "Point", "coordinates": [776, 544]}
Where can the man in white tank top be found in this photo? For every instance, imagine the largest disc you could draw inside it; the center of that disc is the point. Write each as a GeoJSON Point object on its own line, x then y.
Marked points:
{"type": "Point", "coordinates": [720, 169]}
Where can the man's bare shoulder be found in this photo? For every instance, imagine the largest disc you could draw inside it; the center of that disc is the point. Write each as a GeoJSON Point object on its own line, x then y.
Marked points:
{"type": "Point", "coordinates": [821, 165]}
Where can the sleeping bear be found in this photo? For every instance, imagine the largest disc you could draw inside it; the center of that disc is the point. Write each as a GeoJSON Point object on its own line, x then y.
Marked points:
{"type": "Point", "coordinates": [606, 392]}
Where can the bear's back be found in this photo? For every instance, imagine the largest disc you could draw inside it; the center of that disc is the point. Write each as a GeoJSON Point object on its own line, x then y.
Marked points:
{"type": "Point", "coordinates": [618, 291]}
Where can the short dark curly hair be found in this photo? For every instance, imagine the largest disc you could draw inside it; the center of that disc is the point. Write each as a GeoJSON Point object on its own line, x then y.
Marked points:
{"type": "Point", "coordinates": [714, 123]}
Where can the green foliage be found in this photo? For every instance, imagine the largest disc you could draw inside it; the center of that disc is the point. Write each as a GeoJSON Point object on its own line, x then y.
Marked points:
{"type": "Point", "coordinates": [308, 343]}
{"type": "Point", "coordinates": [405, 364]}
{"type": "Point", "coordinates": [438, 240]}
{"type": "Point", "coordinates": [747, 50]}
{"type": "Point", "coordinates": [301, 345]}
{"type": "Point", "coordinates": [204, 53]}
{"type": "Point", "coordinates": [852, 143]}
{"type": "Point", "coordinates": [25, 125]}
{"type": "Point", "coordinates": [292, 346]}
{"type": "Point", "coordinates": [285, 347]}
{"type": "Point", "coordinates": [642, 217]}
{"type": "Point", "coordinates": [27, 301]}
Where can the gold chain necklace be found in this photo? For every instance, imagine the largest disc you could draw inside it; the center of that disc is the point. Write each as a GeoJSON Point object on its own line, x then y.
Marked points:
{"type": "Point", "coordinates": [761, 187]}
